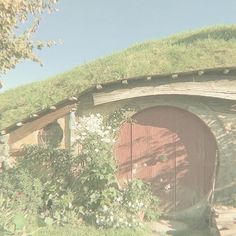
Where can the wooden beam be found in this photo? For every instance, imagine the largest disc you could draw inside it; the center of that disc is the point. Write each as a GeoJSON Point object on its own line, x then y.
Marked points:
{"type": "Point", "coordinates": [219, 89]}
{"type": "Point", "coordinates": [67, 132]}
{"type": "Point", "coordinates": [39, 123]}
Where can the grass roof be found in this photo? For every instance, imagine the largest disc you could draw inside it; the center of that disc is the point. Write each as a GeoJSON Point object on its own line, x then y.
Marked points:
{"type": "Point", "coordinates": [204, 48]}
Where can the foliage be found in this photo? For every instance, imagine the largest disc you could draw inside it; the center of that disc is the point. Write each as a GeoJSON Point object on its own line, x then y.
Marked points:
{"type": "Point", "coordinates": [54, 168]}
{"type": "Point", "coordinates": [118, 117]}
{"type": "Point", "coordinates": [20, 198]}
{"type": "Point", "coordinates": [205, 48]}
{"type": "Point", "coordinates": [5, 159]}
{"type": "Point", "coordinates": [83, 230]}
{"type": "Point", "coordinates": [139, 198]}
{"type": "Point", "coordinates": [47, 164]}
{"type": "Point", "coordinates": [58, 187]}
{"type": "Point", "coordinates": [23, 192]}
{"type": "Point", "coordinates": [97, 182]}
{"type": "Point", "coordinates": [19, 20]}
{"type": "Point", "coordinates": [39, 186]}
{"type": "Point", "coordinates": [102, 202]}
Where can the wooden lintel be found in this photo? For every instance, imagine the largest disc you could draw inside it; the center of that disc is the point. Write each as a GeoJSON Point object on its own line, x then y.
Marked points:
{"type": "Point", "coordinates": [219, 89]}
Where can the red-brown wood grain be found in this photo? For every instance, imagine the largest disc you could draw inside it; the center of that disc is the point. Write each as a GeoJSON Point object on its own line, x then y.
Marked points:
{"type": "Point", "coordinates": [173, 150]}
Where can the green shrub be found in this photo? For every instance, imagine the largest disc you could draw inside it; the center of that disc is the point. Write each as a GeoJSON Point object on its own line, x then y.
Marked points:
{"type": "Point", "coordinates": [41, 184]}
{"type": "Point", "coordinates": [138, 198]}
{"type": "Point", "coordinates": [102, 202]}
{"type": "Point", "coordinates": [23, 192]}
{"type": "Point", "coordinates": [57, 187]}
{"type": "Point", "coordinates": [20, 199]}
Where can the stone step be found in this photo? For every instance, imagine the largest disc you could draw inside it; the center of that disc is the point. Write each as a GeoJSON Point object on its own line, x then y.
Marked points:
{"type": "Point", "coordinates": [231, 232]}
{"type": "Point", "coordinates": [226, 220]}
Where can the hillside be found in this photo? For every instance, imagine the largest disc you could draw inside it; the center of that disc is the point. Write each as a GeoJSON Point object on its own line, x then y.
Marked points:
{"type": "Point", "coordinates": [205, 48]}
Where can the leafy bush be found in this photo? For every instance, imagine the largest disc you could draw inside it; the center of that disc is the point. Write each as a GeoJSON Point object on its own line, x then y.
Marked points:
{"type": "Point", "coordinates": [138, 198]}
{"type": "Point", "coordinates": [23, 191]}
{"type": "Point", "coordinates": [40, 184]}
{"type": "Point", "coordinates": [58, 187]}
{"type": "Point", "coordinates": [102, 202]}
{"type": "Point", "coordinates": [20, 198]}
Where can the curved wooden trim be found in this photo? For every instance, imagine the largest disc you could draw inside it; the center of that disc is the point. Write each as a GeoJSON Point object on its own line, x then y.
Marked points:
{"type": "Point", "coordinates": [217, 89]}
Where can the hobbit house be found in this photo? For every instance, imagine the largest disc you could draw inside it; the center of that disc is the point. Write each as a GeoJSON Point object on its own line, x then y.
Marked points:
{"type": "Point", "coordinates": [181, 136]}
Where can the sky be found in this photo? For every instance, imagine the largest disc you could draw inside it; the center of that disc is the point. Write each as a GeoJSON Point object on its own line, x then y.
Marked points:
{"type": "Point", "coordinates": [91, 29]}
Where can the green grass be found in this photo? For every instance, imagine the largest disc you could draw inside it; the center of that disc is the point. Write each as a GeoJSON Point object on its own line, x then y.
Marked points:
{"type": "Point", "coordinates": [205, 48]}
{"type": "Point", "coordinates": [88, 231]}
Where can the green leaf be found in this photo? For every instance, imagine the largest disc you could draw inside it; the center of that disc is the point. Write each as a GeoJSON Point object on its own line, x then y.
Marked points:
{"type": "Point", "coordinates": [19, 221]}
{"type": "Point", "coordinates": [48, 221]}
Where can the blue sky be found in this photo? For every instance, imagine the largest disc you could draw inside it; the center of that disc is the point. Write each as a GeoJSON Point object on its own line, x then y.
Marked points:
{"type": "Point", "coordinates": [94, 28]}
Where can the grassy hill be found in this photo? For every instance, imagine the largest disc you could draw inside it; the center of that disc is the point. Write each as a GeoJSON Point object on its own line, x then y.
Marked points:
{"type": "Point", "coordinates": [205, 48]}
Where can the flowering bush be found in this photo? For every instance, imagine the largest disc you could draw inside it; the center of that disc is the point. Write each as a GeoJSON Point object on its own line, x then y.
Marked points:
{"type": "Point", "coordinates": [102, 202]}
{"type": "Point", "coordinates": [58, 187]}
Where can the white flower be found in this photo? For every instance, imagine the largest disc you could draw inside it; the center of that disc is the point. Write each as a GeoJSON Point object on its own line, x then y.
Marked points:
{"type": "Point", "coordinates": [96, 150]}
{"type": "Point", "coordinates": [106, 140]}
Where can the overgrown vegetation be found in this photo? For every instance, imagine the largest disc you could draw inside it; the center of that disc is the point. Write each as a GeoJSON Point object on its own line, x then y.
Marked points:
{"type": "Point", "coordinates": [53, 187]}
{"type": "Point", "coordinates": [206, 48]}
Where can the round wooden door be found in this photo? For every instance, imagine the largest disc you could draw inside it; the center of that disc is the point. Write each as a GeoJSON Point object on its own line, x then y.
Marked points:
{"type": "Point", "coordinates": [173, 150]}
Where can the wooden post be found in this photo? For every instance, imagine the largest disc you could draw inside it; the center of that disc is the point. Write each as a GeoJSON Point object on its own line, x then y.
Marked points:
{"type": "Point", "coordinates": [67, 132]}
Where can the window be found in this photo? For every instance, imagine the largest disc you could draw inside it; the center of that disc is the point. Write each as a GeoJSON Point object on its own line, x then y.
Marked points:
{"type": "Point", "coordinates": [51, 135]}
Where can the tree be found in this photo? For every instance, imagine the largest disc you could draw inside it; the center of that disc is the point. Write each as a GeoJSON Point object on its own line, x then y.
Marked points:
{"type": "Point", "coordinates": [19, 20]}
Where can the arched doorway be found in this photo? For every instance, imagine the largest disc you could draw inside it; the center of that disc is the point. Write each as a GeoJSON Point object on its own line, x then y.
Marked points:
{"type": "Point", "coordinates": [173, 150]}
